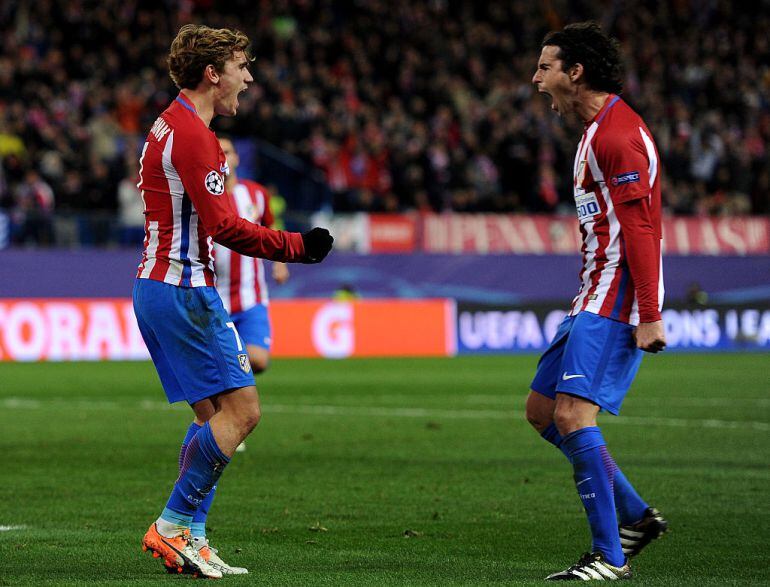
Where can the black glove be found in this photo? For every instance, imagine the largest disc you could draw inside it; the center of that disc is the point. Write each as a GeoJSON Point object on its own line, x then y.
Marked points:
{"type": "Point", "coordinates": [318, 243]}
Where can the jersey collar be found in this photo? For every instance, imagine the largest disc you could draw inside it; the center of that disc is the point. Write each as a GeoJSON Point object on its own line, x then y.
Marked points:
{"type": "Point", "coordinates": [185, 101]}
{"type": "Point", "coordinates": [611, 100]}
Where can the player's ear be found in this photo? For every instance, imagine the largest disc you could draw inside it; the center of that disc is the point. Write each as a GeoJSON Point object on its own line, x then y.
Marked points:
{"type": "Point", "coordinates": [211, 74]}
{"type": "Point", "coordinates": [575, 72]}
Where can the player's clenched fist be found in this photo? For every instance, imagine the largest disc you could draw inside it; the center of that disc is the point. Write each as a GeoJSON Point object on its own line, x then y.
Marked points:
{"type": "Point", "coordinates": [318, 243]}
{"type": "Point", "coordinates": [650, 336]}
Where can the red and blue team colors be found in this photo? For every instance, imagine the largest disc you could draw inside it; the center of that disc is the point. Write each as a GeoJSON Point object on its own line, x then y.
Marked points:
{"type": "Point", "coordinates": [241, 280]}
{"type": "Point", "coordinates": [193, 342]}
{"type": "Point", "coordinates": [616, 186]}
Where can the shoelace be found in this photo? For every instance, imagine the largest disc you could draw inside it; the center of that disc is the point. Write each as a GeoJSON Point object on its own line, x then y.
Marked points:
{"type": "Point", "coordinates": [211, 548]}
{"type": "Point", "coordinates": [195, 555]}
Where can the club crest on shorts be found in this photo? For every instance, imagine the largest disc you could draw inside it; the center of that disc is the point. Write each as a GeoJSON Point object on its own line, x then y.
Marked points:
{"type": "Point", "coordinates": [214, 183]}
{"type": "Point", "coordinates": [244, 361]}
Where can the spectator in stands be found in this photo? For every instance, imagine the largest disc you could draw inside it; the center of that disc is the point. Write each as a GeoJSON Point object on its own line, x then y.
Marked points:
{"type": "Point", "coordinates": [402, 105]}
{"type": "Point", "coordinates": [33, 211]}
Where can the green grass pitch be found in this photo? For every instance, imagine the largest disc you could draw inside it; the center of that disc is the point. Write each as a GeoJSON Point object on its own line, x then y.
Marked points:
{"type": "Point", "coordinates": [382, 472]}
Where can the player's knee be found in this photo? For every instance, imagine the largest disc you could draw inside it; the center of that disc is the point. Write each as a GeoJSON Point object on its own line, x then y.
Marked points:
{"type": "Point", "coordinates": [536, 421]}
{"type": "Point", "coordinates": [204, 410]}
{"type": "Point", "coordinates": [538, 411]}
{"type": "Point", "coordinates": [250, 414]}
{"type": "Point", "coordinates": [242, 410]}
{"type": "Point", "coordinates": [573, 413]}
{"type": "Point", "coordinates": [566, 420]}
{"type": "Point", "coordinates": [251, 417]}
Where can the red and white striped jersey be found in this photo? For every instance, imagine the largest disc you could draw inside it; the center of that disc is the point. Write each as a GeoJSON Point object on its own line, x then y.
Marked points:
{"type": "Point", "coordinates": [616, 164]}
{"type": "Point", "coordinates": [241, 280]}
{"type": "Point", "coordinates": [181, 177]}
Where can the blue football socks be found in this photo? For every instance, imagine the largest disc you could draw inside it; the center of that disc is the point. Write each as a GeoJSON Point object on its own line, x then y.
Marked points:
{"type": "Point", "coordinates": [198, 525]}
{"type": "Point", "coordinates": [594, 478]}
{"type": "Point", "coordinates": [198, 528]}
{"type": "Point", "coordinates": [551, 434]}
{"type": "Point", "coordinates": [202, 465]}
{"type": "Point", "coordinates": [630, 505]}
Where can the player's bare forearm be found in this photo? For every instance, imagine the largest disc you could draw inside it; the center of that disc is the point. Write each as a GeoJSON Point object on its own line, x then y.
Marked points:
{"type": "Point", "coordinates": [650, 336]}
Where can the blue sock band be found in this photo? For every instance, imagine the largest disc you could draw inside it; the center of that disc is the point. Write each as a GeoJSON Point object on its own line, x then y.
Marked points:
{"type": "Point", "coordinates": [594, 478]}
{"type": "Point", "coordinates": [176, 518]}
{"type": "Point", "coordinates": [198, 530]}
{"type": "Point", "coordinates": [202, 466]}
{"type": "Point", "coordinates": [630, 505]}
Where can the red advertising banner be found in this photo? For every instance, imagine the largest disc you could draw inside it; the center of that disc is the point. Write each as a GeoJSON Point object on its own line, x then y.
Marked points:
{"type": "Point", "coordinates": [499, 233]}
{"type": "Point", "coordinates": [105, 329]}
{"type": "Point", "coordinates": [539, 234]}
{"type": "Point", "coordinates": [392, 233]}
{"type": "Point", "coordinates": [748, 235]}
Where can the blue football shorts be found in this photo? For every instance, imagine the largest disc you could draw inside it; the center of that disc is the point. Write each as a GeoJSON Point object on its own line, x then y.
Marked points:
{"type": "Point", "coordinates": [592, 357]}
{"type": "Point", "coordinates": [194, 344]}
{"type": "Point", "coordinates": [254, 326]}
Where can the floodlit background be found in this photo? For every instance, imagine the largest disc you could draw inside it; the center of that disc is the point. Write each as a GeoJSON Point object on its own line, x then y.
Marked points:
{"type": "Point", "coordinates": [412, 130]}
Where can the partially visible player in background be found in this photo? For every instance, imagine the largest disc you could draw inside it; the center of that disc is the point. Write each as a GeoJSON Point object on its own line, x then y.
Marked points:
{"type": "Point", "coordinates": [196, 349]}
{"type": "Point", "coordinates": [597, 350]}
{"type": "Point", "coordinates": [241, 280]}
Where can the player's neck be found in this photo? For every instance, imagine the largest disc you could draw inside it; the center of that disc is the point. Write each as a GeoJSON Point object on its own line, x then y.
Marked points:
{"type": "Point", "coordinates": [589, 105]}
{"type": "Point", "coordinates": [203, 102]}
{"type": "Point", "coordinates": [231, 181]}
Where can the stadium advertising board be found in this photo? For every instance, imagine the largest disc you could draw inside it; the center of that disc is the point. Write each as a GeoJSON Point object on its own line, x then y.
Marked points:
{"type": "Point", "coordinates": [69, 330]}
{"type": "Point", "coordinates": [531, 234]}
{"type": "Point", "coordinates": [372, 233]}
{"type": "Point", "coordinates": [392, 233]}
{"type": "Point", "coordinates": [370, 328]}
{"type": "Point", "coordinates": [516, 329]}
{"type": "Point", "coordinates": [105, 329]}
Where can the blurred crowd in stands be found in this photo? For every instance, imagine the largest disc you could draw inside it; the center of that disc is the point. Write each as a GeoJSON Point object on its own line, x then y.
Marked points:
{"type": "Point", "coordinates": [402, 105]}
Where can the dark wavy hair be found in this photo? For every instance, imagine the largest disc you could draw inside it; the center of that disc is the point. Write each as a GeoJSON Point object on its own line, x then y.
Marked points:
{"type": "Point", "coordinates": [598, 53]}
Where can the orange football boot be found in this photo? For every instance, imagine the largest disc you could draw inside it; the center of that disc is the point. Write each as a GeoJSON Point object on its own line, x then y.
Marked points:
{"type": "Point", "coordinates": [178, 554]}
